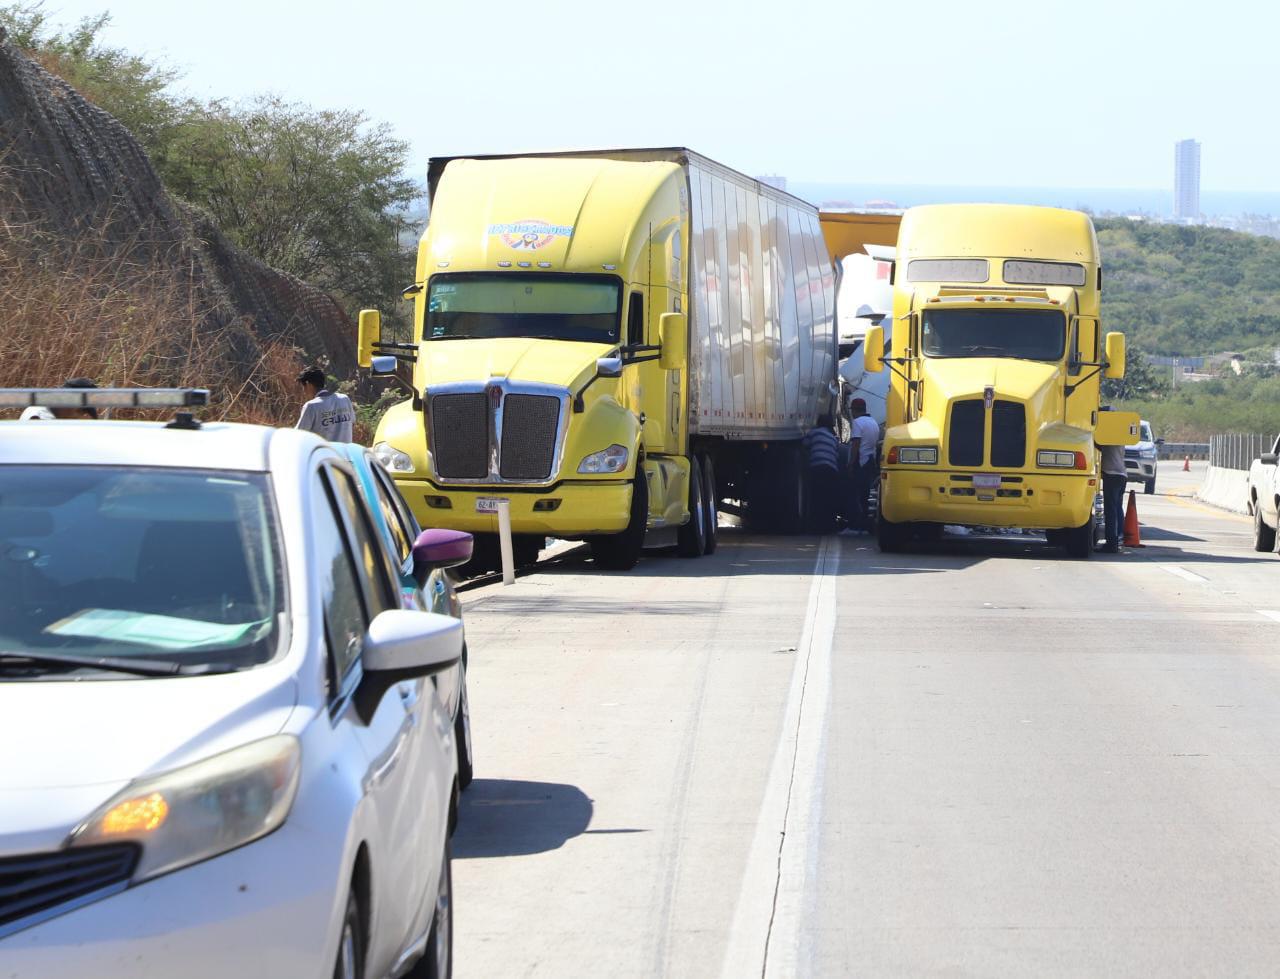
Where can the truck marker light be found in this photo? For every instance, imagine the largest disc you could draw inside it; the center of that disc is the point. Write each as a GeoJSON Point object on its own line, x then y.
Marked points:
{"type": "Point", "coordinates": [609, 268]}
{"type": "Point", "coordinates": [504, 265]}
{"type": "Point", "coordinates": [442, 265]}
{"type": "Point", "coordinates": [544, 265]}
{"type": "Point", "coordinates": [525, 265]}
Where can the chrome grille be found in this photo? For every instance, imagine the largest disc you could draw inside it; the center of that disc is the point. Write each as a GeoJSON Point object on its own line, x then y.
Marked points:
{"type": "Point", "coordinates": [965, 442]}
{"type": "Point", "coordinates": [41, 883]}
{"type": "Point", "coordinates": [460, 435]}
{"type": "Point", "coordinates": [529, 423]}
{"type": "Point", "coordinates": [1008, 435]}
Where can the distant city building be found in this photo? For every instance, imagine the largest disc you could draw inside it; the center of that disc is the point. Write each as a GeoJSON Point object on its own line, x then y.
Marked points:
{"type": "Point", "coordinates": [1186, 180]}
{"type": "Point", "coordinates": [774, 180]}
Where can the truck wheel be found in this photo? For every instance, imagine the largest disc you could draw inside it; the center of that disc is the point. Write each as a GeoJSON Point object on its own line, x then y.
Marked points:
{"type": "Point", "coordinates": [794, 492]}
{"type": "Point", "coordinates": [525, 549]}
{"type": "Point", "coordinates": [1149, 486]}
{"type": "Point", "coordinates": [620, 552]}
{"type": "Point", "coordinates": [1079, 540]}
{"type": "Point", "coordinates": [891, 537]}
{"type": "Point", "coordinates": [1264, 537]}
{"type": "Point", "coordinates": [691, 539]}
{"type": "Point", "coordinates": [712, 504]}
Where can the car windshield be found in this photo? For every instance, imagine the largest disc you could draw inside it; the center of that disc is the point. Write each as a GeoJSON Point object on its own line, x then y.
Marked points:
{"type": "Point", "coordinates": [1023, 334]}
{"type": "Point", "coordinates": [177, 565]}
{"type": "Point", "coordinates": [1146, 433]}
{"type": "Point", "coordinates": [544, 305]}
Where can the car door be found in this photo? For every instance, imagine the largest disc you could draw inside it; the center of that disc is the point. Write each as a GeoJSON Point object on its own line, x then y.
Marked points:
{"type": "Point", "coordinates": [356, 585]}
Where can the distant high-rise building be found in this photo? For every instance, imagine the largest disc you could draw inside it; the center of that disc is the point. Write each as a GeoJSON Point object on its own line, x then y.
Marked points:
{"type": "Point", "coordinates": [774, 180]}
{"type": "Point", "coordinates": [1186, 180]}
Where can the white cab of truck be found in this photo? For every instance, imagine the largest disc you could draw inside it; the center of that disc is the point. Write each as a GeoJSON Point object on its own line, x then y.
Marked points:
{"type": "Point", "coordinates": [1264, 498]}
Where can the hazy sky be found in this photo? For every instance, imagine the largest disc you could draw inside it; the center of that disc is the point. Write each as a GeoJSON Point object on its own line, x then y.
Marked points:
{"type": "Point", "coordinates": [1086, 94]}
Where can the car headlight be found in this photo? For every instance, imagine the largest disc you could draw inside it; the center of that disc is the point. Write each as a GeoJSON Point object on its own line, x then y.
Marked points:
{"type": "Point", "coordinates": [392, 458]}
{"type": "Point", "coordinates": [1058, 459]}
{"type": "Point", "coordinates": [610, 460]}
{"type": "Point", "coordinates": [920, 455]}
{"type": "Point", "coordinates": [1148, 453]}
{"type": "Point", "coordinates": [202, 810]}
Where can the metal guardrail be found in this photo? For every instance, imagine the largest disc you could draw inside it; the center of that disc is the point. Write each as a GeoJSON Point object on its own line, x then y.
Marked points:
{"type": "Point", "coordinates": [1184, 450]}
{"type": "Point", "coordinates": [1236, 450]}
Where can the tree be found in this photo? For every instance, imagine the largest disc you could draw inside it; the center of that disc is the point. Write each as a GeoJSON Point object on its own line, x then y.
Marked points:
{"type": "Point", "coordinates": [1140, 380]}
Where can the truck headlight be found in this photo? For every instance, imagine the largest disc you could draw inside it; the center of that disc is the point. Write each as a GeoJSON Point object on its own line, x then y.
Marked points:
{"type": "Point", "coordinates": [610, 460]}
{"type": "Point", "coordinates": [392, 458]}
{"type": "Point", "coordinates": [1059, 459]}
{"type": "Point", "coordinates": [198, 812]}
{"type": "Point", "coordinates": [920, 455]}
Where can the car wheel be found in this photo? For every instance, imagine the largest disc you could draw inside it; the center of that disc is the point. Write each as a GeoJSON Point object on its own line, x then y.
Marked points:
{"type": "Point", "coordinates": [1264, 537]}
{"type": "Point", "coordinates": [691, 539]}
{"type": "Point", "coordinates": [462, 735]}
{"type": "Point", "coordinates": [350, 963]}
{"type": "Point", "coordinates": [437, 960]}
{"type": "Point", "coordinates": [1149, 486]}
{"type": "Point", "coordinates": [712, 503]}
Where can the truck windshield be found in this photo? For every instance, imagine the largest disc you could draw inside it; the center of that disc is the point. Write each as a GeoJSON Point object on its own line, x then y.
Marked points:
{"type": "Point", "coordinates": [152, 565]}
{"type": "Point", "coordinates": [1023, 334]}
{"type": "Point", "coordinates": [467, 306]}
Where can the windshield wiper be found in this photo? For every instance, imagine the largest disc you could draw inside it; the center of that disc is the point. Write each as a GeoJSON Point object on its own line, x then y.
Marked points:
{"type": "Point", "coordinates": [115, 664]}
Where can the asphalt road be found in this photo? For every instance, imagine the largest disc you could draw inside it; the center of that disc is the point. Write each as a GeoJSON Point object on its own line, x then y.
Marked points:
{"type": "Point", "coordinates": [802, 757]}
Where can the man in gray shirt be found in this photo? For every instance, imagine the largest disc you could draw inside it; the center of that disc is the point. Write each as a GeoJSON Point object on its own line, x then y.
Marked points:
{"type": "Point", "coordinates": [1113, 483]}
{"type": "Point", "coordinates": [327, 414]}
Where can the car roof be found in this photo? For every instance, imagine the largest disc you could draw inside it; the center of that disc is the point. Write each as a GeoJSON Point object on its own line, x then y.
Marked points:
{"type": "Point", "coordinates": [214, 445]}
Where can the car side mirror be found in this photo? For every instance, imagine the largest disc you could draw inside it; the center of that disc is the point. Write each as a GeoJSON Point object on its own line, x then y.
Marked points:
{"type": "Point", "coordinates": [369, 333]}
{"type": "Point", "coordinates": [400, 645]}
{"type": "Point", "coordinates": [439, 548]}
{"type": "Point", "coordinates": [1115, 357]}
{"type": "Point", "coordinates": [1159, 441]}
{"type": "Point", "coordinates": [873, 349]}
{"type": "Point", "coordinates": [1268, 458]}
{"type": "Point", "coordinates": [674, 336]}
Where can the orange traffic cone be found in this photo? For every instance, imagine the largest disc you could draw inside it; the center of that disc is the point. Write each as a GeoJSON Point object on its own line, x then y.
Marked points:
{"type": "Point", "coordinates": [1186, 464]}
{"type": "Point", "coordinates": [1131, 536]}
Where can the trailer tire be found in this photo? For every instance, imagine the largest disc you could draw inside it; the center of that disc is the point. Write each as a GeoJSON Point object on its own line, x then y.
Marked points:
{"type": "Point", "coordinates": [621, 552]}
{"type": "Point", "coordinates": [1264, 537]}
{"type": "Point", "coordinates": [691, 539]}
{"type": "Point", "coordinates": [793, 492]}
{"type": "Point", "coordinates": [712, 504]}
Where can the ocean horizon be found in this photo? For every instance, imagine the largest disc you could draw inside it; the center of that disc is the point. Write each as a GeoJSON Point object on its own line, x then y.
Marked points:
{"type": "Point", "coordinates": [1152, 202]}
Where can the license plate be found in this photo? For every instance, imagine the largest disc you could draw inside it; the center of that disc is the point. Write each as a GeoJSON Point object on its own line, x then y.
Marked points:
{"type": "Point", "coordinates": [489, 504]}
{"type": "Point", "coordinates": [985, 481]}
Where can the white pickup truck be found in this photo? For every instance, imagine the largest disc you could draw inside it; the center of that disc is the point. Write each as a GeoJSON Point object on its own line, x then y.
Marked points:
{"type": "Point", "coordinates": [1264, 498]}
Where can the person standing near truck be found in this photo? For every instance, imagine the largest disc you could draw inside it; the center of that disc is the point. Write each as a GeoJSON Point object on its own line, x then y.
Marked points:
{"type": "Point", "coordinates": [1113, 483]}
{"type": "Point", "coordinates": [328, 414]}
{"type": "Point", "coordinates": [863, 443]}
{"type": "Point", "coordinates": [824, 473]}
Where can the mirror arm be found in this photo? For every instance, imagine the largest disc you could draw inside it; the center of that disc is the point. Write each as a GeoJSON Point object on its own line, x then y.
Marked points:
{"type": "Point", "coordinates": [1070, 389]}
{"type": "Point", "coordinates": [891, 363]}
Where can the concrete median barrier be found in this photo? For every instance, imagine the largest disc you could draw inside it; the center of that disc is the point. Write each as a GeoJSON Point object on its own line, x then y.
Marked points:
{"type": "Point", "coordinates": [1225, 488]}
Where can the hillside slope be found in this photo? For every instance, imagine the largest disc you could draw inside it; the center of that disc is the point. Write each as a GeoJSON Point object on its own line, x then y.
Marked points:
{"type": "Point", "coordinates": [83, 214]}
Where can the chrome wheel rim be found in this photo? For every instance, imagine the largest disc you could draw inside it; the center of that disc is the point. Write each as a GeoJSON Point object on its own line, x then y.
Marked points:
{"type": "Point", "coordinates": [444, 923]}
{"type": "Point", "coordinates": [347, 954]}
{"type": "Point", "coordinates": [465, 710]}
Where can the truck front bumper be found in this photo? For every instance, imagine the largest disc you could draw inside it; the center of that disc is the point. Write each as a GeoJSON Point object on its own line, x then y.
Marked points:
{"type": "Point", "coordinates": [1034, 501]}
{"type": "Point", "coordinates": [567, 510]}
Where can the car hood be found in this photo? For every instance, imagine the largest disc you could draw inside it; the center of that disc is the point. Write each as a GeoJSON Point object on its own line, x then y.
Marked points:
{"type": "Point", "coordinates": [565, 363]}
{"type": "Point", "coordinates": [71, 745]}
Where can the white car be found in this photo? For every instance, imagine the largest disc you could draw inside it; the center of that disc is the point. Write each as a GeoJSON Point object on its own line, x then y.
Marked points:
{"type": "Point", "coordinates": [223, 755]}
{"type": "Point", "coordinates": [1140, 461]}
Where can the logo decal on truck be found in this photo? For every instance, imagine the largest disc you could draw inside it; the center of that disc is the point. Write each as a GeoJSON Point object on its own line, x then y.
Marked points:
{"type": "Point", "coordinates": [530, 234]}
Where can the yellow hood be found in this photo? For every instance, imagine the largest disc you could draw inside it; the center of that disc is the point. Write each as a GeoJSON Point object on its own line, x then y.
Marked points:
{"type": "Point", "coordinates": [1037, 383]}
{"type": "Point", "coordinates": [561, 362]}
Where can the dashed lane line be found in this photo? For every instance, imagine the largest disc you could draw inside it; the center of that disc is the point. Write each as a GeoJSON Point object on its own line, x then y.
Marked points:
{"type": "Point", "coordinates": [1268, 613]}
{"type": "Point", "coordinates": [764, 937]}
{"type": "Point", "coordinates": [1182, 573]}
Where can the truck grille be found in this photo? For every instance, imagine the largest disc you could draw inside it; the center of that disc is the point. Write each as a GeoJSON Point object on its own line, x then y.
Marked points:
{"type": "Point", "coordinates": [964, 448]}
{"type": "Point", "coordinates": [43, 882]}
{"type": "Point", "coordinates": [529, 423]}
{"type": "Point", "coordinates": [460, 435]}
{"type": "Point", "coordinates": [1008, 435]}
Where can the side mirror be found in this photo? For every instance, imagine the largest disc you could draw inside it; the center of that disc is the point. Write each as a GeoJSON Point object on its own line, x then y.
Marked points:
{"type": "Point", "coordinates": [873, 349]}
{"type": "Point", "coordinates": [673, 330]}
{"type": "Point", "coordinates": [383, 366]}
{"type": "Point", "coordinates": [440, 549]}
{"type": "Point", "coordinates": [404, 645]}
{"type": "Point", "coordinates": [1268, 458]}
{"type": "Point", "coordinates": [370, 332]}
{"type": "Point", "coordinates": [609, 367]}
{"type": "Point", "coordinates": [1159, 441]}
{"type": "Point", "coordinates": [1115, 357]}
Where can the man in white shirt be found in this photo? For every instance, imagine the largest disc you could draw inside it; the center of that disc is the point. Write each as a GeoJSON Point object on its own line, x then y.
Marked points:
{"type": "Point", "coordinates": [864, 443]}
{"type": "Point", "coordinates": [327, 414]}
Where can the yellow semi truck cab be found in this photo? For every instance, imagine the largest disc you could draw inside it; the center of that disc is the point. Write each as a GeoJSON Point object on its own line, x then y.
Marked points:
{"type": "Point", "coordinates": [997, 356]}
{"type": "Point", "coordinates": [590, 332]}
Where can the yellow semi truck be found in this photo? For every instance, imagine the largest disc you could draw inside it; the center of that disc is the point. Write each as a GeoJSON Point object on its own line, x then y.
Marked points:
{"type": "Point", "coordinates": [618, 343]}
{"type": "Point", "coordinates": [997, 356]}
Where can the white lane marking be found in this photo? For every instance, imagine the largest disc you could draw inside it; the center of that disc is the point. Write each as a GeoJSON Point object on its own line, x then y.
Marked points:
{"type": "Point", "coordinates": [764, 937]}
{"type": "Point", "coordinates": [1269, 614]}
{"type": "Point", "coordinates": [1182, 573]}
